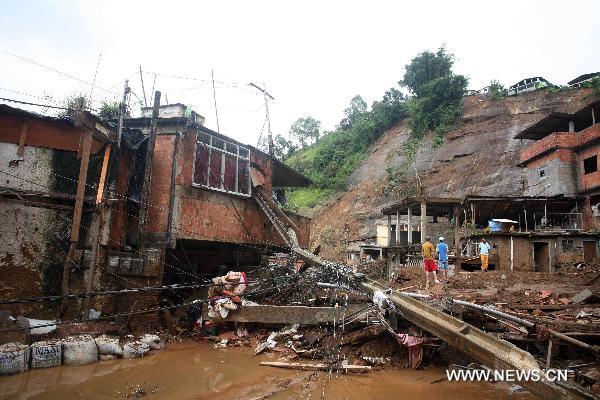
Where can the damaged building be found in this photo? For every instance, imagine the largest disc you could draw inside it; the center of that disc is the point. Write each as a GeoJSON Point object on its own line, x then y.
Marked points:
{"type": "Point", "coordinates": [162, 201]}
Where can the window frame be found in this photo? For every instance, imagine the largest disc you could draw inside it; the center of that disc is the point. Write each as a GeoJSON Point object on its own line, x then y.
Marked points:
{"type": "Point", "coordinates": [587, 167]}
{"type": "Point", "coordinates": [224, 151]}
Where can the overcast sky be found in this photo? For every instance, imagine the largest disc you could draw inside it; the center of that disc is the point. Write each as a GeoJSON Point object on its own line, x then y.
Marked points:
{"type": "Point", "coordinates": [313, 57]}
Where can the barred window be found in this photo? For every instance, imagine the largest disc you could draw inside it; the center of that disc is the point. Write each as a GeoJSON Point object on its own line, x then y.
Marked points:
{"type": "Point", "coordinates": [221, 165]}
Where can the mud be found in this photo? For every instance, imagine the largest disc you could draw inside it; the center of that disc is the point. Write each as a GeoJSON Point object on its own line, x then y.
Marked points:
{"type": "Point", "coordinates": [198, 371]}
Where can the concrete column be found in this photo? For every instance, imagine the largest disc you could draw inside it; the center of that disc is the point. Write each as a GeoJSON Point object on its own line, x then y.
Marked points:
{"type": "Point", "coordinates": [398, 228]}
{"type": "Point", "coordinates": [593, 116]}
{"type": "Point", "coordinates": [389, 241]}
{"type": "Point", "coordinates": [423, 220]}
{"type": "Point", "coordinates": [571, 126]}
{"type": "Point", "coordinates": [410, 239]}
{"type": "Point", "coordinates": [456, 231]}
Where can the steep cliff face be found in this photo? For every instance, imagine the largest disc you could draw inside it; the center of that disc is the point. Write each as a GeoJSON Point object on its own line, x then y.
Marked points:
{"type": "Point", "coordinates": [479, 157]}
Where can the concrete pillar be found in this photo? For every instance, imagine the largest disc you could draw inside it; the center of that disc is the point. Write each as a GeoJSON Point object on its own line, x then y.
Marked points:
{"type": "Point", "coordinates": [571, 126]}
{"type": "Point", "coordinates": [593, 116]}
{"type": "Point", "coordinates": [456, 231]}
{"type": "Point", "coordinates": [398, 228]}
{"type": "Point", "coordinates": [423, 220]}
{"type": "Point", "coordinates": [389, 241]}
{"type": "Point", "coordinates": [410, 239]}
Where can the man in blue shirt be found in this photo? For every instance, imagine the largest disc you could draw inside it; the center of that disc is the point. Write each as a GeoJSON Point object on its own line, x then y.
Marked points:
{"type": "Point", "coordinates": [442, 250]}
{"type": "Point", "coordinates": [484, 253]}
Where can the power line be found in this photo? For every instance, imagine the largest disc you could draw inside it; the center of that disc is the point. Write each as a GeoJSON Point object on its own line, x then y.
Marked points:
{"type": "Point", "coordinates": [53, 70]}
{"type": "Point", "coordinates": [39, 105]}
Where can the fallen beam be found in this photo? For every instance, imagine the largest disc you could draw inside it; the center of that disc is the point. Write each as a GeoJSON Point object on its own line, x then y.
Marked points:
{"type": "Point", "coordinates": [290, 314]}
{"type": "Point", "coordinates": [493, 352]}
{"type": "Point", "coordinates": [316, 367]}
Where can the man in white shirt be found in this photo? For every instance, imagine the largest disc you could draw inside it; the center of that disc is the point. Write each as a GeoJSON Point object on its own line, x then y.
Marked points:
{"type": "Point", "coordinates": [484, 253]}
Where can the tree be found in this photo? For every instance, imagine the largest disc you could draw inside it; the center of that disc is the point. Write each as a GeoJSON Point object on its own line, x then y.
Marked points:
{"type": "Point", "coordinates": [357, 109]}
{"type": "Point", "coordinates": [282, 148]}
{"type": "Point", "coordinates": [109, 109]}
{"type": "Point", "coordinates": [437, 93]}
{"type": "Point", "coordinates": [306, 131]}
{"type": "Point", "coordinates": [497, 91]}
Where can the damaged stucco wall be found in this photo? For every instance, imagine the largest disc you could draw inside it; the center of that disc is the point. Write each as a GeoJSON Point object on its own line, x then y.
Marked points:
{"type": "Point", "coordinates": [32, 239]}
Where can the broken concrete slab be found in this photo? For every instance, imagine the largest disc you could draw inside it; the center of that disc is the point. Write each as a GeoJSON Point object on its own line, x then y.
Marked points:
{"type": "Point", "coordinates": [302, 315]}
{"type": "Point", "coordinates": [582, 296]}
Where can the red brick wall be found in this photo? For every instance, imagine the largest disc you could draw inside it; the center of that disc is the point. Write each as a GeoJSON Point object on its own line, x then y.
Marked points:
{"type": "Point", "coordinates": [206, 214]}
{"type": "Point", "coordinates": [558, 140]}
{"type": "Point", "coordinates": [161, 184]}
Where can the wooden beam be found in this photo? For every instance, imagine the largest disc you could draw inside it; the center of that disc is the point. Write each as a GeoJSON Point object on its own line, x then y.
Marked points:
{"type": "Point", "coordinates": [79, 197]}
{"type": "Point", "coordinates": [102, 181]}
{"type": "Point", "coordinates": [81, 183]}
{"type": "Point", "coordinates": [22, 139]}
{"type": "Point", "coordinates": [316, 367]}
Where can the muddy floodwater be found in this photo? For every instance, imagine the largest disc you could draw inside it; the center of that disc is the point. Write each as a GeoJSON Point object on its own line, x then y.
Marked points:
{"type": "Point", "coordinates": [198, 371]}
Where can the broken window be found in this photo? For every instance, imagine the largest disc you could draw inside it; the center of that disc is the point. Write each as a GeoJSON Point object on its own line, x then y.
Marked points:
{"type": "Point", "coordinates": [590, 165]}
{"type": "Point", "coordinates": [221, 165]}
{"type": "Point", "coordinates": [568, 245]}
{"type": "Point", "coordinates": [542, 172]}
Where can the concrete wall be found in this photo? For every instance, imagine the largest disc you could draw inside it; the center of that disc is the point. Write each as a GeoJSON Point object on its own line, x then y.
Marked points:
{"type": "Point", "coordinates": [559, 176]}
{"type": "Point", "coordinates": [523, 259]}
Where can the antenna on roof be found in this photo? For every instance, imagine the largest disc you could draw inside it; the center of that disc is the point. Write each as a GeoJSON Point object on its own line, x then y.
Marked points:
{"type": "Point", "coordinates": [266, 94]}
{"type": "Point", "coordinates": [212, 73]}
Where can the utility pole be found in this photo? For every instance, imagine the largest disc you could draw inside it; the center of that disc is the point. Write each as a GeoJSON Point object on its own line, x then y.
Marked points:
{"type": "Point", "coordinates": [148, 168]}
{"type": "Point", "coordinates": [122, 112]}
{"type": "Point", "coordinates": [212, 73]}
{"type": "Point", "coordinates": [267, 96]}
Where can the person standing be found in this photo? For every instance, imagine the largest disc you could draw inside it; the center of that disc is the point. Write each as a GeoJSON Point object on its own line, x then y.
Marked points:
{"type": "Point", "coordinates": [428, 263]}
{"type": "Point", "coordinates": [442, 251]}
{"type": "Point", "coordinates": [484, 253]}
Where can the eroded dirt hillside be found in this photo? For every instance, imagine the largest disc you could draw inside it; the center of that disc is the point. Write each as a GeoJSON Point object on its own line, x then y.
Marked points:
{"type": "Point", "coordinates": [478, 157]}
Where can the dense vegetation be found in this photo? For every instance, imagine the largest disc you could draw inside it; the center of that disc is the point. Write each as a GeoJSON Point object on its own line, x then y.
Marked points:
{"type": "Point", "coordinates": [434, 104]}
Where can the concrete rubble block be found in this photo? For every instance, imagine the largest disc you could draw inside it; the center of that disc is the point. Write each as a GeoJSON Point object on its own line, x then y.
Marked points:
{"type": "Point", "coordinates": [153, 341]}
{"type": "Point", "coordinates": [582, 296]}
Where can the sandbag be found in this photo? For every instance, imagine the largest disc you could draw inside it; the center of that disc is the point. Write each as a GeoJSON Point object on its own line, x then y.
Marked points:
{"type": "Point", "coordinates": [108, 345]}
{"type": "Point", "coordinates": [46, 354]}
{"type": "Point", "coordinates": [153, 341]}
{"type": "Point", "coordinates": [79, 350]}
{"type": "Point", "coordinates": [135, 349]}
{"type": "Point", "coordinates": [14, 358]}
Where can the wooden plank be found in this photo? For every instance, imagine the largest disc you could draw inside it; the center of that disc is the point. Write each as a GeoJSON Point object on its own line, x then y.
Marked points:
{"type": "Point", "coordinates": [316, 367]}
{"type": "Point", "coordinates": [102, 181]}
{"type": "Point", "coordinates": [22, 139]}
{"type": "Point", "coordinates": [81, 183]}
{"type": "Point", "coordinates": [290, 314]}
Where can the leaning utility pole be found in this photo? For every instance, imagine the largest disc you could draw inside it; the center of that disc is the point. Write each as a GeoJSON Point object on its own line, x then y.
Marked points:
{"type": "Point", "coordinates": [122, 112]}
{"type": "Point", "coordinates": [266, 94]}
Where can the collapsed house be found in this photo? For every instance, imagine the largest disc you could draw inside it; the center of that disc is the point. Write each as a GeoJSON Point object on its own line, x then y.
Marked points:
{"type": "Point", "coordinates": [163, 201]}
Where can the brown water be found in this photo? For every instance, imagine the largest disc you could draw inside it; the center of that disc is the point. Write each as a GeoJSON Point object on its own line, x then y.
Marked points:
{"type": "Point", "coordinates": [198, 371]}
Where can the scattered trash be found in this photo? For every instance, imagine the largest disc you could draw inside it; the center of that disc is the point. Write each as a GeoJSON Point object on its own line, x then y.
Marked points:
{"type": "Point", "coordinates": [135, 349]}
{"type": "Point", "coordinates": [94, 314]}
{"type": "Point", "coordinates": [153, 341]}
{"type": "Point", "coordinates": [514, 388]}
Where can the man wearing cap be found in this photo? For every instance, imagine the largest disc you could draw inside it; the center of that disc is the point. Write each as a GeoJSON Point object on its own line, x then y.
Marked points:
{"type": "Point", "coordinates": [428, 262]}
{"type": "Point", "coordinates": [442, 251]}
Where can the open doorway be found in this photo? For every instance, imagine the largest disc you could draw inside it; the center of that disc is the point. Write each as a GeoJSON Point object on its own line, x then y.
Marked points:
{"type": "Point", "coordinates": [589, 250]}
{"type": "Point", "coordinates": [541, 257]}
